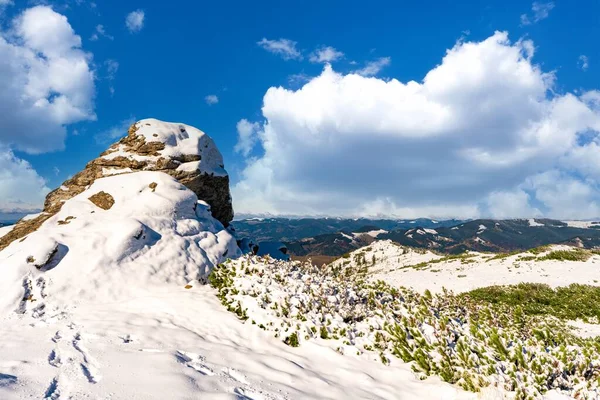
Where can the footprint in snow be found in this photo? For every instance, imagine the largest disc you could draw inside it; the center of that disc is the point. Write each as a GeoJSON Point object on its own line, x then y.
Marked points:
{"type": "Point", "coordinates": [54, 359]}
{"type": "Point", "coordinates": [57, 389]}
{"type": "Point", "coordinates": [194, 361]}
{"type": "Point", "coordinates": [7, 380]}
{"type": "Point", "coordinates": [88, 364]}
{"type": "Point", "coordinates": [235, 375]}
{"type": "Point", "coordinates": [247, 394]}
{"type": "Point", "coordinates": [57, 336]}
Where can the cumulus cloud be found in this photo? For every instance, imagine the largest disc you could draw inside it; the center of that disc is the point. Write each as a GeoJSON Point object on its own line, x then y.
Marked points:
{"type": "Point", "coordinates": [135, 21]}
{"type": "Point", "coordinates": [247, 136]}
{"type": "Point", "coordinates": [481, 129]}
{"type": "Point", "coordinates": [23, 190]}
{"type": "Point", "coordinates": [325, 55]}
{"type": "Point", "coordinates": [284, 48]}
{"type": "Point", "coordinates": [374, 67]}
{"type": "Point", "coordinates": [46, 83]}
{"type": "Point", "coordinates": [211, 99]}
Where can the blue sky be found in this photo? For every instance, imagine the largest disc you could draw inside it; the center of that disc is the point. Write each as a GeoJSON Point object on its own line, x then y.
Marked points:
{"type": "Point", "coordinates": [172, 55]}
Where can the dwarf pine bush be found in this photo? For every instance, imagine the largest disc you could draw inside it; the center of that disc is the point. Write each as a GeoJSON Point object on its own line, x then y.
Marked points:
{"type": "Point", "coordinates": [513, 337]}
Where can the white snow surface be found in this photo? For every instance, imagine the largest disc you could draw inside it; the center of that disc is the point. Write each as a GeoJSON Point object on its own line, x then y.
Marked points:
{"type": "Point", "coordinates": [581, 224]}
{"type": "Point", "coordinates": [533, 222]}
{"type": "Point", "coordinates": [180, 140]}
{"type": "Point", "coordinates": [398, 266]}
{"type": "Point", "coordinates": [5, 229]}
{"type": "Point", "coordinates": [373, 233]}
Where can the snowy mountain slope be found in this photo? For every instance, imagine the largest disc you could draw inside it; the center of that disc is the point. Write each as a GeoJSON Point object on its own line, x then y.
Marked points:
{"type": "Point", "coordinates": [424, 270]}
{"type": "Point", "coordinates": [116, 310]}
{"type": "Point", "coordinates": [155, 232]}
{"type": "Point", "coordinates": [182, 344]}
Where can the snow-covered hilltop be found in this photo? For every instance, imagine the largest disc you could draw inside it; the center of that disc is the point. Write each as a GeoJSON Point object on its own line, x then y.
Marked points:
{"type": "Point", "coordinates": [182, 151]}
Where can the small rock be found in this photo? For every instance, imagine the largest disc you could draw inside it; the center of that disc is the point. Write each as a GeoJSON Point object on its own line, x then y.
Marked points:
{"type": "Point", "coordinates": [103, 200]}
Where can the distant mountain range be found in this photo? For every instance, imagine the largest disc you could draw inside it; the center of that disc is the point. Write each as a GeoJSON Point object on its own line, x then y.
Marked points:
{"type": "Point", "coordinates": [335, 237]}
{"type": "Point", "coordinates": [292, 229]}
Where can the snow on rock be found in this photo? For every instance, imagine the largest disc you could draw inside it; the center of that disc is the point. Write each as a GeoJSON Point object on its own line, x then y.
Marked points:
{"type": "Point", "coordinates": [373, 233]}
{"type": "Point", "coordinates": [182, 151]}
{"type": "Point", "coordinates": [481, 228]}
{"type": "Point", "coordinates": [155, 232]}
{"type": "Point", "coordinates": [533, 222]}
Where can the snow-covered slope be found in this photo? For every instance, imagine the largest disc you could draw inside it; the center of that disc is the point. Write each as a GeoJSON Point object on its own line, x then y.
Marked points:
{"type": "Point", "coordinates": [424, 270]}
{"type": "Point", "coordinates": [5, 229]}
{"type": "Point", "coordinates": [105, 300]}
{"type": "Point", "coordinates": [155, 232]}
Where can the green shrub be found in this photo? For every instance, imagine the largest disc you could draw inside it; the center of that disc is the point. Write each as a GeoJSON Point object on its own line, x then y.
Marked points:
{"type": "Point", "coordinates": [569, 302]}
{"type": "Point", "coordinates": [567, 255]}
{"type": "Point", "coordinates": [292, 340]}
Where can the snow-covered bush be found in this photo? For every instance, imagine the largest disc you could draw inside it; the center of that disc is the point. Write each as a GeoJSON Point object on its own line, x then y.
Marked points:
{"type": "Point", "coordinates": [465, 341]}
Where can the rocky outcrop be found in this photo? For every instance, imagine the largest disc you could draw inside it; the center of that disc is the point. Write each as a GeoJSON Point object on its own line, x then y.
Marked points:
{"type": "Point", "coordinates": [182, 151]}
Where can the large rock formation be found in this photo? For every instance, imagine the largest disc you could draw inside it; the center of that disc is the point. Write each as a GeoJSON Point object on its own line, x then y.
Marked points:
{"type": "Point", "coordinates": [182, 151]}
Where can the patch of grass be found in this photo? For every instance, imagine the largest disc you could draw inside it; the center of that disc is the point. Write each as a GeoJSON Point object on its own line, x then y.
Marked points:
{"type": "Point", "coordinates": [539, 250]}
{"type": "Point", "coordinates": [567, 255]}
{"type": "Point", "coordinates": [568, 302]}
{"type": "Point", "coordinates": [527, 258]}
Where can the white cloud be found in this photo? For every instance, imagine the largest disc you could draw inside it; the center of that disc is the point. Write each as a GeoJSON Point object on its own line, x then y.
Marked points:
{"type": "Point", "coordinates": [325, 55]}
{"type": "Point", "coordinates": [23, 190]}
{"type": "Point", "coordinates": [46, 81]}
{"type": "Point", "coordinates": [247, 136]}
{"type": "Point", "coordinates": [374, 67]}
{"type": "Point", "coordinates": [584, 62]}
{"type": "Point", "coordinates": [479, 130]}
{"type": "Point", "coordinates": [211, 99]}
{"type": "Point", "coordinates": [283, 47]}
{"type": "Point", "coordinates": [100, 32]}
{"type": "Point", "coordinates": [115, 132]}
{"type": "Point", "coordinates": [539, 10]}
{"type": "Point", "coordinates": [511, 204]}
{"type": "Point", "coordinates": [564, 196]}
{"type": "Point", "coordinates": [135, 21]}
{"type": "Point", "coordinates": [112, 66]}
